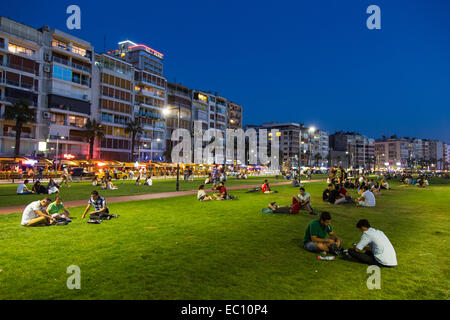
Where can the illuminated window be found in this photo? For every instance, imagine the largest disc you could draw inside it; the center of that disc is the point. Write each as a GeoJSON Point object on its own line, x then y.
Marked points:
{"type": "Point", "coordinates": [78, 50]}
{"type": "Point", "coordinates": [19, 50]}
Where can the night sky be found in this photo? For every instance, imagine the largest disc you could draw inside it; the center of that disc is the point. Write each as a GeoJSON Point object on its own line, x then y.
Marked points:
{"type": "Point", "coordinates": [307, 61]}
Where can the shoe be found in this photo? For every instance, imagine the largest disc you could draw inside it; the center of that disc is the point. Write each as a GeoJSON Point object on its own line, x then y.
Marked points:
{"type": "Point", "coordinates": [61, 223]}
{"type": "Point", "coordinates": [113, 216]}
{"type": "Point", "coordinates": [326, 258]}
{"type": "Point", "coordinates": [94, 221]}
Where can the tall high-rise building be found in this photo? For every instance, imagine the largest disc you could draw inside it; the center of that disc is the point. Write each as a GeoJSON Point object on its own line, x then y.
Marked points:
{"type": "Point", "coordinates": [149, 96]}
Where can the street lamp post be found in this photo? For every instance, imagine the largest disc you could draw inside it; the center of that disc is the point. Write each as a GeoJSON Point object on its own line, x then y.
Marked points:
{"type": "Point", "coordinates": [311, 130]}
{"type": "Point", "coordinates": [166, 112]}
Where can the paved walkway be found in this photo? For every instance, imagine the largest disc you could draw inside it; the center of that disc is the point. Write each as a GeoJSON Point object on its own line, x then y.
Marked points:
{"type": "Point", "coordinates": [149, 196]}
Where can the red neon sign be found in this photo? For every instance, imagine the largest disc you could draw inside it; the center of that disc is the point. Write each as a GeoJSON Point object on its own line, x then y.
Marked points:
{"type": "Point", "coordinates": [68, 156]}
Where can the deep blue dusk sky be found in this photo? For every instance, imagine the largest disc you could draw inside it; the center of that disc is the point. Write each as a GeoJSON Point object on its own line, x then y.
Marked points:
{"type": "Point", "coordinates": [307, 61]}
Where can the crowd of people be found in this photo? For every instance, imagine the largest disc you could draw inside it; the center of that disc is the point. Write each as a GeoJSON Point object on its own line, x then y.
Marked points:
{"type": "Point", "coordinates": [373, 247]}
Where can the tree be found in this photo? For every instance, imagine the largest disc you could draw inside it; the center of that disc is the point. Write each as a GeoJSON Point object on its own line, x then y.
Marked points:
{"type": "Point", "coordinates": [135, 128]}
{"type": "Point", "coordinates": [317, 157]}
{"type": "Point", "coordinates": [93, 130]}
{"type": "Point", "coordinates": [21, 113]}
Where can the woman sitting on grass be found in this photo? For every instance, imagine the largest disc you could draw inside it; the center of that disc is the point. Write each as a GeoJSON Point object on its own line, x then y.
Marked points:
{"type": "Point", "coordinates": [38, 188]}
{"type": "Point", "coordinates": [201, 194]}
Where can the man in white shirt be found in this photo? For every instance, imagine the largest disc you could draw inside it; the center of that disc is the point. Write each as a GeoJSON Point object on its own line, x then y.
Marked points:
{"type": "Point", "coordinates": [304, 201]}
{"type": "Point", "coordinates": [378, 249]}
{"type": "Point", "coordinates": [367, 199]}
{"type": "Point", "coordinates": [36, 215]}
{"type": "Point", "coordinates": [23, 189]}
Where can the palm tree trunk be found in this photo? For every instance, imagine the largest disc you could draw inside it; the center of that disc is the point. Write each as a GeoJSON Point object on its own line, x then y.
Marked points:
{"type": "Point", "coordinates": [18, 134]}
{"type": "Point", "coordinates": [91, 148]}
{"type": "Point", "coordinates": [133, 141]}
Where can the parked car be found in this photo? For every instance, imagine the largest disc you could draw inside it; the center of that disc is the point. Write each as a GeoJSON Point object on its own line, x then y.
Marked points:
{"type": "Point", "coordinates": [80, 172]}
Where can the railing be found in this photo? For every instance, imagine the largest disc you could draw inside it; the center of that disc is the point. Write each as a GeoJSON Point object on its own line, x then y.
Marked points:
{"type": "Point", "coordinates": [22, 136]}
{"type": "Point", "coordinates": [20, 67]}
{"type": "Point", "coordinates": [61, 61]}
{"type": "Point", "coordinates": [81, 67]}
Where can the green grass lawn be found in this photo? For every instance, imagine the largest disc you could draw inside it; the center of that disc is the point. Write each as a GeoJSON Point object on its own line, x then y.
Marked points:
{"type": "Point", "coordinates": [179, 248]}
{"type": "Point", "coordinates": [82, 190]}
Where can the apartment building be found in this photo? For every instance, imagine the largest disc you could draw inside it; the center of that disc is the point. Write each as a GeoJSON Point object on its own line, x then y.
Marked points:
{"type": "Point", "coordinates": [68, 83]}
{"type": "Point", "coordinates": [113, 106]}
{"type": "Point", "coordinates": [234, 115]}
{"type": "Point", "coordinates": [359, 150]}
{"type": "Point", "coordinates": [67, 93]}
{"type": "Point", "coordinates": [149, 96]}
{"type": "Point", "coordinates": [20, 77]}
{"type": "Point", "coordinates": [407, 152]}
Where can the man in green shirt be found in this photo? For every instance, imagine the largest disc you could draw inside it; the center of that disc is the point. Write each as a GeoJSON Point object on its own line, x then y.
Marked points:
{"type": "Point", "coordinates": [54, 210]}
{"type": "Point", "coordinates": [316, 233]}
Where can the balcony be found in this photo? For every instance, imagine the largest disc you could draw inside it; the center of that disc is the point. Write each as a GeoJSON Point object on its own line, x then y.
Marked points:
{"type": "Point", "coordinates": [22, 136]}
{"type": "Point", "coordinates": [20, 68]}
{"type": "Point", "coordinates": [67, 48]}
{"type": "Point", "coordinates": [18, 84]}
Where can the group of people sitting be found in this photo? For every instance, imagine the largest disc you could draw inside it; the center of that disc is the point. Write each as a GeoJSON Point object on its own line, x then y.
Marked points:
{"type": "Point", "coordinates": [374, 247]}
{"type": "Point", "coordinates": [38, 188]}
{"type": "Point", "coordinates": [46, 212]}
{"type": "Point", "coordinates": [421, 181]}
{"type": "Point", "coordinates": [105, 183]}
{"type": "Point", "coordinates": [221, 195]}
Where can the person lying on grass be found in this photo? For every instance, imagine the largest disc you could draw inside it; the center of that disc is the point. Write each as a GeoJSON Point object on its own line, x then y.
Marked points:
{"type": "Point", "coordinates": [319, 236]}
{"type": "Point", "coordinates": [304, 200]}
{"type": "Point", "coordinates": [35, 214]}
{"type": "Point", "coordinates": [294, 208]}
{"type": "Point", "coordinates": [201, 194]}
{"type": "Point", "coordinates": [378, 249]}
{"type": "Point", "coordinates": [56, 207]}
{"type": "Point", "coordinates": [367, 198]}
{"type": "Point", "coordinates": [101, 210]}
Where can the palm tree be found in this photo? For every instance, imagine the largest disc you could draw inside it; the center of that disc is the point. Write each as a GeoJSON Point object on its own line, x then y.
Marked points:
{"type": "Point", "coordinates": [21, 113]}
{"type": "Point", "coordinates": [93, 129]}
{"type": "Point", "coordinates": [317, 157]}
{"type": "Point", "coordinates": [135, 128]}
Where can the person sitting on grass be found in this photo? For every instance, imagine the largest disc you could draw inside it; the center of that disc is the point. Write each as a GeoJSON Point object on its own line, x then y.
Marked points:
{"type": "Point", "coordinates": [110, 185]}
{"type": "Point", "coordinates": [52, 186]}
{"type": "Point", "coordinates": [265, 188]}
{"type": "Point", "coordinates": [378, 249]}
{"type": "Point", "coordinates": [38, 188]}
{"type": "Point", "coordinates": [304, 200]}
{"type": "Point", "coordinates": [344, 196]}
{"type": "Point", "coordinates": [35, 214]}
{"type": "Point", "coordinates": [55, 208]}
{"type": "Point", "coordinates": [319, 236]}
{"type": "Point", "coordinates": [384, 185]}
{"type": "Point", "coordinates": [148, 180]}
{"type": "Point", "coordinates": [201, 194]}
{"type": "Point", "coordinates": [101, 210]}
{"type": "Point", "coordinates": [367, 198]}
{"type": "Point", "coordinates": [329, 194]}
{"type": "Point", "coordinates": [222, 195]}
{"type": "Point", "coordinates": [23, 189]}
